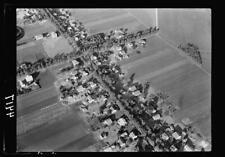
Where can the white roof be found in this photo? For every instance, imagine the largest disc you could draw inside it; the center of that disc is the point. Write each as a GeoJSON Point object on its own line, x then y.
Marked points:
{"type": "Point", "coordinates": [204, 144]}
{"type": "Point", "coordinates": [187, 148]}
{"type": "Point", "coordinates": [38, 37]}
{"type": "Point", "coordinates": [133, 88]}
{"type": "Point", "coordinates": [132, 135]}
{"type": "Point", "coordinates": [164, 136]}
{"type": "Point", "coordinates": [80, 89]}
{"type": "Point", "coordinates": [176, 136]}
{"type": "Point", "coordinates": [108, 121]}
{"type": "Point", "coordinates": [156, 117]}
{"type": "Point", "coordinates": [53, 34]}
{"type": "Point", "coordinates": [108, 149]}
{"type": "Point", "coordinates": [136, 93]}
{"type": "Point", "coordinates": [29, 78]}
{"type": "Point", "coordinates": [122, 122]}
{"type": "Point", "coordinates": [123, 134]}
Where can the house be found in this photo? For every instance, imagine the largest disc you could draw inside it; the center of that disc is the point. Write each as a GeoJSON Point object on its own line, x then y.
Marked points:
{"type": "Point", "coordinates": [107, 122]}
{"type": "Point", "coordinates": [53, 35]}
{"type": "Point", "coordinates": [156, 117]}
{"type": "Point", "coordinates": [133, 88]}
{"type": "Point", "coordinates": [165, 136]}
{"type": "Point", "coordinates": [109, 149]}
{"type": "Point", "coordinates": [136, 93]}
{"type": "Point", "coordinates": [80, 89]}
{"type": "Point", "coordinates": [29, 78]}
{"type": "Point", "coordinates": [176, 136]}
{"type": "Point", "coordinates": [124, 134]}
{"type": "Point", "coordinates": [133, 136]}
{"type": "Point", "coordinates": [122, 122]}
{"type": "Point", "coordinates": [187, 148]}
{"type": "Point", "coordinates": [38, 37]}
{"type": "Point", "coordinates": [173, 148]}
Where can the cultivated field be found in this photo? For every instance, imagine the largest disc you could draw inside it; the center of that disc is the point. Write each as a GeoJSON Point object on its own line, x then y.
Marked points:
{"type": "Point", "coordinates": [31, 52]}
{"type": "Point", "coordinates": [161, 63]}
{"type": "Point", "coordinates": [36, 29]}
{"type": "Point", "coordinates": [55, 46]}
{"type": "Point", "coordinates": [188, 25]}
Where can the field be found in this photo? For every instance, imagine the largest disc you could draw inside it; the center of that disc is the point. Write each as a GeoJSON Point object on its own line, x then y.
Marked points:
{"type": "Point", "coordinates": [33, 50]}
{"type": "Point", "coordinates": [160, 62]}
{"type": "Point", "coordinates": [57, 45]}
{"type": "Point", "coordinates": [192, 25]}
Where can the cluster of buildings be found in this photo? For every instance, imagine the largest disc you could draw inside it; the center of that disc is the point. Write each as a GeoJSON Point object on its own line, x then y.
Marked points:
{"type": "Point", "coordinates": [74, 28]}
{"type": "Point", "coordinates": [27, 84]}
{"type": "Point", "coordinates": [47, 35]}
{"type": "Point", "coordinates": [29, 16]}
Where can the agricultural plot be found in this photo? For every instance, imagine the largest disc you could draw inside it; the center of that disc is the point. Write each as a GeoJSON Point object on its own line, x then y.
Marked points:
{"type": "Point", "coordinates": [36, 100]}
{"type": "Point", "coordinates": [91, 15]}
{"type": "Point", "coordinates": [36, 29]}
{"type": "Point", "coordinates": [53, 46]}
{"type": "Point", "coordinates": [188, 25]}
{"type": "Point", "coordinates": [186, 84]}
{"type": "Point", "coordinates": [31, 53]}
{"type": "Point", "coordinates": [57, 135]}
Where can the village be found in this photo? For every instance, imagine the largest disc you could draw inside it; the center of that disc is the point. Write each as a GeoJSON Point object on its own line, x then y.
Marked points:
{"type": "Point", "coordinates": [124, 115]}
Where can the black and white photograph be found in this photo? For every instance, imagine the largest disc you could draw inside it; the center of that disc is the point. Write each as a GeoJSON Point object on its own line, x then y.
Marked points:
{"type": "Point", "coordinates": [113, 79]}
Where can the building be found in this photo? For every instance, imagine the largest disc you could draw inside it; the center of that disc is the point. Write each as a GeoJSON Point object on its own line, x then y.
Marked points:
{"type": "Point", "coordinates": [133, 136]}
{"type": "Point", "coordinates": [53, 35]}
{"type": "Point", "coordinates": [156, 117]}
{"type": "Point", "coordinates": [132, 89]}
{"type": "Point", "coordinates": [107, 122]}
{"type": "Point", "coordinates": [122, 122]}
{"type": "Point", "coordinates": [29, 78]}
{"type": "Point", "coordinates": [38, 37]}
{"type": "Point", "coordinates": [187, 148]}
{"type": "Point", "coordinates": [176, 136]}
{"type": "Point", "coordinates": [136, 93]}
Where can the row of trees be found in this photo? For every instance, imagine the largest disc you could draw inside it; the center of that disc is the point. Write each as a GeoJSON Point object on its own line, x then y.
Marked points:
{"type": "Point", "coordinates": [43, 63]}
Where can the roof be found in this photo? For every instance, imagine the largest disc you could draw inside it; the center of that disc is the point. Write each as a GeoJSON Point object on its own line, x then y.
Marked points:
{"type": "Point", "coordinates": [137, 93]}
{"type": "Point", "coordinates": [132, 135]}
{"type": "Point", "coordinates": [122, 122]}
{"type": "Point", "coordinates": [165, 136]}
{"type": "Point", "coordinates": [108, 121]}
{"type": "Point", "coordinates": [29, 78]}
{"type": "Point", "coordinates": [187, 148]}
{"type": "Point", "coordinates": [176, 135]}
{"type": "Point", "coordinates": [133, 88]}
{"type": "Point", "coordinates": [156, 117]}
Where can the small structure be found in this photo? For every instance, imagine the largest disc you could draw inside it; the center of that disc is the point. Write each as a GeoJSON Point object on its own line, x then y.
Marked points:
{"type": "Point", "coordinates": [133, 88]}
{"type": "Point", "coordinates": [187, 148]}
{"type": "Point", "coordinates": [156, 117]}
{"type": "Point", "coordinates": [133, 136]}
{"type": "Point", "coordinates": [53, 35]}
{"type": "Point", "coordinates": [38, 37]}
{"type": "Point", "coordinates": [122, 122]}
{"type": "Point", "coordinates": [165, 136]}
{"type": "Point", "coordinates": [107, 122]}
{"type": "Point", "coordinates": [176, 136]}
{"type": "Point", "coordinates": [136, 93]}
{"type": "Point", "coordinates": [29, 78]}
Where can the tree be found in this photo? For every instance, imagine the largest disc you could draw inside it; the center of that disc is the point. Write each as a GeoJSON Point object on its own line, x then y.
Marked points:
{"type": "Point", "coordinates": [146, 88]}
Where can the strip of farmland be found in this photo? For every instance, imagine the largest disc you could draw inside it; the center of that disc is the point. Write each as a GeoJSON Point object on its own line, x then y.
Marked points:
{"type": "Point", "coordinates": [113, 23]}
{"type": "Point", "coordinates": [90, 15]}
{"type": "Point", "coordinates": [55, 135]}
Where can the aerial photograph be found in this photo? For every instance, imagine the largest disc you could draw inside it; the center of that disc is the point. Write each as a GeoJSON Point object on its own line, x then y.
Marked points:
{"type": "Point", "coordinates": [113, 79]}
